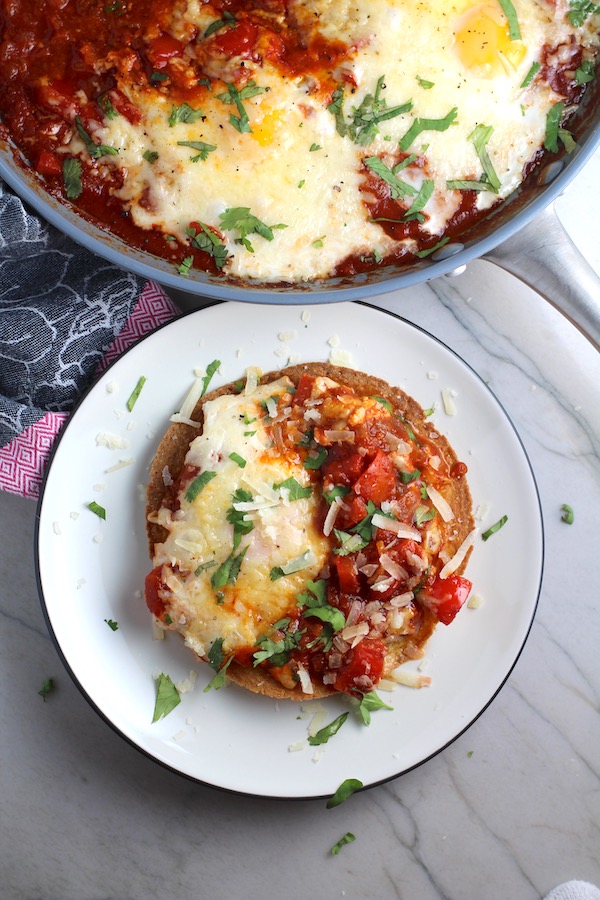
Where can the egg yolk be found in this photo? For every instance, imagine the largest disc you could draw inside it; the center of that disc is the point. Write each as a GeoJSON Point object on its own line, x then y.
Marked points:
{"type": "Point", "coordinates": [483, 44]}
{"type": "Point", "coordinates": [266, 130]}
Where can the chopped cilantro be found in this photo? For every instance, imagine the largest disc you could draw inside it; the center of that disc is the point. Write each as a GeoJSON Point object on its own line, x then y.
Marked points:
{"type": "Point", "coordinates": [71, 170]}
{"type": "Point", "coordinates": [167, 697]}
{"type": "Point", "coordinates": [46, 688]}
{"type": "Point", "coordinates": [185, 266]}
{"type": "Point", "coordinates": [328, 731]}
{"type": "Point", "coordinates": [227, 20]}
{"type": "Point", "coordinates": [201, 146]}
{"type": "Point", "coordinates": [419, 125]}
{"type": "Point", "coordinates": [184, 113]}
{"type": "Point", "coordinates": [345, 790]}
{"type": "Point", "coordinates": [97, 509]}
{"type": "Point", "coordinates": [239, 218]}
{"type": "Point", "coordinates": [112, 624]}
{"type": "Point", "coordinates": [494, 528]}
{"type": "Point", "coordinates": [346, 839]}
{"type": "Point", "coordinates": [133, 397]}
{"type": "Point", "coordinates": [368, 704]}
{"type": "Point", "coordinates": [207, 241]}
{"type": "Point", "coordinates": [198, 484]}
{"type": "Point", "coordinates": [94, 150]}
{"type": "Point", "coordinates": [568, 516]}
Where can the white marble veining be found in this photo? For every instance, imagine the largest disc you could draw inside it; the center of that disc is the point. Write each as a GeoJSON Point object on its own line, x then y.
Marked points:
{"type": "Point", "coordinates": [510, 810]}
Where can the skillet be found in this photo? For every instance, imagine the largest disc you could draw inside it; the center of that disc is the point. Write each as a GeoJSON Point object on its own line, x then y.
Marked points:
{"type": "Point", "coordinates": [523, 236]}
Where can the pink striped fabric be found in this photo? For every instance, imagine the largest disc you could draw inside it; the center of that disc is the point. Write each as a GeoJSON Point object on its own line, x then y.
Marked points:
{"type": "Point", "coordinates": [23, 461]}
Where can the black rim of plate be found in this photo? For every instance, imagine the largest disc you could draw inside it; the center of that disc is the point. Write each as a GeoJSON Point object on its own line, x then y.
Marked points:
{"type": "Point", "coordinates": [166, 765]}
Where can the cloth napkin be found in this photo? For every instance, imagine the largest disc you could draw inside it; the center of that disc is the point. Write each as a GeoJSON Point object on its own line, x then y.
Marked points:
{"type": "Point", "coordinates": [65, 314]}
{"type": "Point", "coordinates": [574, 890]}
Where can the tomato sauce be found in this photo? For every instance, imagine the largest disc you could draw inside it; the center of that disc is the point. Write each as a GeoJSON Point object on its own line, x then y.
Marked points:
{"type": "Point", "coordinates": [60, 62]}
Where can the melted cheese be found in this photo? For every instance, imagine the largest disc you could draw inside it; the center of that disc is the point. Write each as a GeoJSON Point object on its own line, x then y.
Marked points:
{"type": "Point", "coordinates": [199, 532]}
{"type": "Point", "coordinates": [439, 55]}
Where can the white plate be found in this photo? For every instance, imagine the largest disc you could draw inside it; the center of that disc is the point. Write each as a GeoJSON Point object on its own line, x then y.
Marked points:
{"type": "Point", "coordinates": [91, 570]}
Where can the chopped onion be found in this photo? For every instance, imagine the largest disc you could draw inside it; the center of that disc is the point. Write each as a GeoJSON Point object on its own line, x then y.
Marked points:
{"type": "Point", "coordinates": [442, 506]}
{"type": "Point", "coordinates": [399, 528]}
{"type": "Point", "coordinates": [453, 563]}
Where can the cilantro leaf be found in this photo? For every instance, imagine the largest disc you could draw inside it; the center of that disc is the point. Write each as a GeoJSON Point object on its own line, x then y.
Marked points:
{"type": "Point", "coordinates": [346, 839]}
{"type": "Point", "coordinates": [239, 218]}
{"type": "Point", "coordinates": [228, 19]}
{"type": "Point", "coordinates": [368, 704]}
{"type": "Point", "coordinates": [133, 397]}
{"type": "Point", "coordinates": [315, 462]}
{"type": "Point", "coordinates": [419, 125]}
{"type": "Point", "coordinates": [167, 697]}
{"type": "Point", "coordinates": [328, 731]}
{"type": "Point", "coordinates": [201, 146]}
{"type": "Point", "coordinates": [399, 188]}
{"type": "Point", "coordinates": [513, 22]}
{"type": "Point", "coordinates": [46, 688]}
{"type": "Point", "coordinates": [97, 509]}
{"type": "Point", "coordinates": [241, 122]}
{"type": "Point", "coordinates": [337, 491]}
{"type": "Point", "coordinates": [184, 113]}
{"type": "Point", "coordinates": [295, 490]}
{"type": "Point", "coordinates": [363, 126]}
{"type": "Point", "coordinates": [71, 170]}
{"type": "Point", "coordinates": [580, 10]}
{"type": "Point", "coordinates": [210, 371]}
{"type": "Point", "coordinates": [220, 663]}
{"type": "Point", "coordinates": [568, 516]}
{"type": "Point", "coordinates": [198, 484]}
{"type": "Point", "coordinates": [207, 241]}
{"type": "Point", "coordinates": [94, 150]}
{"type": "Point", "coordinates": [494, 528]}
{"type": "Point", "coordinates": [228, 571]}
{"type": "Point", "coordinates": [480, 137]}
{"type": "Point", "coordinates": [346, 788]}
{"type": "Point", "coordinates": [553, 119]}
{"type": "Point", "coordinates": [330, 614]}
{"type": "Point", "coordinates": [316, 595]}
{"type": "Point", "coordinates": [114, 626]}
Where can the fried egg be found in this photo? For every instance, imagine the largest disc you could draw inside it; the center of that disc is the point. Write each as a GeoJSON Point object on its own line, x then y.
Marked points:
{"type": "Point", "coordinates": [309, 149]}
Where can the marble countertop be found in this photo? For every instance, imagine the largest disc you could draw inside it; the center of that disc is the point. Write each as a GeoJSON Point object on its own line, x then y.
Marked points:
{"type": "Point", "coordinates": [510, 809]}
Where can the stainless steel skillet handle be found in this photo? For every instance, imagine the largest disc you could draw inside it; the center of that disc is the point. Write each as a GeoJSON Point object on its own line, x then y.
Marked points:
{"type": "Point", "coordinates": [544, 257]}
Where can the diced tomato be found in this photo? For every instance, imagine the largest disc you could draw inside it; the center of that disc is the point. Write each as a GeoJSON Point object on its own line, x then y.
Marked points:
{"type": "Point", "coordinates": [48, 163]}
{"type": "Point", "coordinates": [348, 577]}
{"type": "Point", "coordinates": [124, 106]}
{"type": "Point", "coordinates": [162, 49]}
{"type": "Point", "coordinates": [304, 389]}
{"type": "Point", "coordinates": [366, 658]}
{"type": "Point", "coordinates": [238, 41]}
{"type": "Point", "coordinates": [352, 512]}
{"type": "Point", "coordinates": [154, 584]}
{"type": "Point", "coordinates": [343, 469]}
{"type": "Point", "coordinates": [408, 501]}
{"type": "Point", "coordinates": [445, 596]}
{"type": "Point", "coordinates": [58, 98]}
{"type": "Point", "coordinates": [378, 481]}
